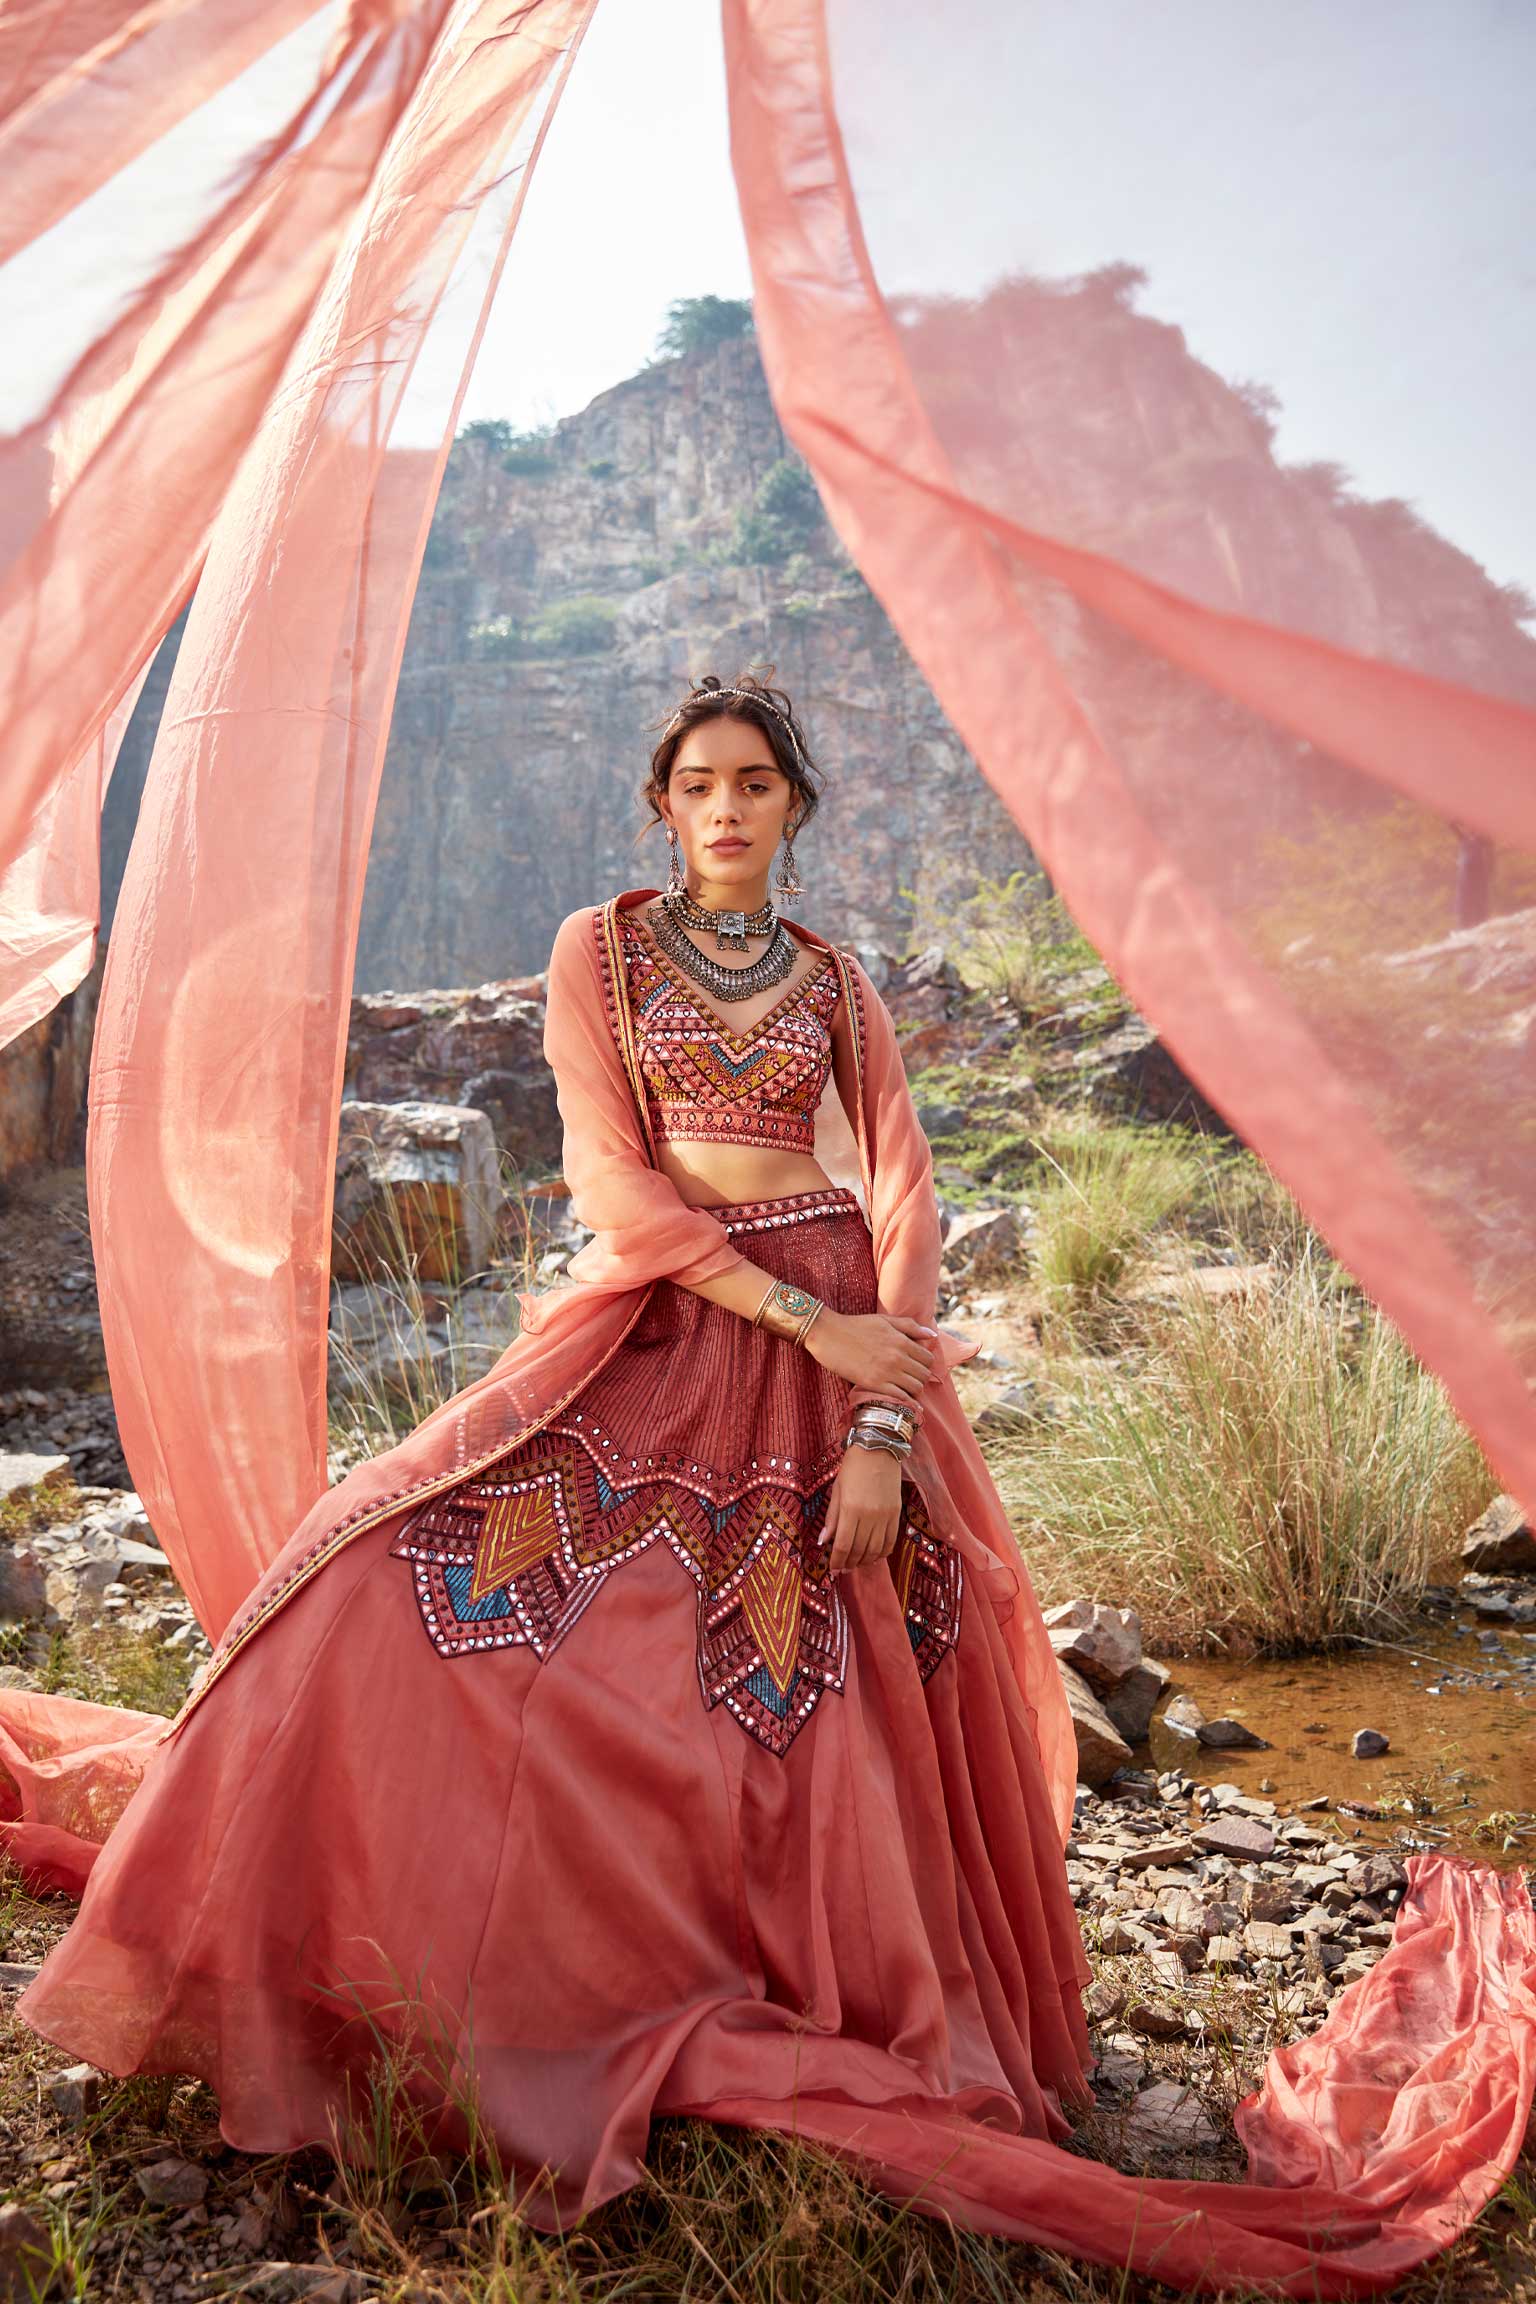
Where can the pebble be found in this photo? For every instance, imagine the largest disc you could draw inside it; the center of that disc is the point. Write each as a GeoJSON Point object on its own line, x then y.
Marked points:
{"type": "Point", "coordinates": [74, 2093]}
{"type": "Point", "coordinates": [1236, 1836]}
{"type": "Point", "coordinates": [172, 2183]}
{"type": "Point", "coordinates": [1169, 2116]}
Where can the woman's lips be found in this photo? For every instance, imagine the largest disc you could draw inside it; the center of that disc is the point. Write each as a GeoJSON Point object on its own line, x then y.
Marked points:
{"type": "Point", "coordinates": [724, 847]}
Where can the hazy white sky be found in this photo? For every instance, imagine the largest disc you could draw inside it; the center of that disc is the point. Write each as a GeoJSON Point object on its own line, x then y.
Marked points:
{"type": "Point", "coordinates": [1336, 200]}
{"type": "Point", "coordinates": [632, 203]}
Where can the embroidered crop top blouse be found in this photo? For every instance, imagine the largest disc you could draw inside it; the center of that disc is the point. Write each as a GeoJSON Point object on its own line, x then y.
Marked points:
{"type": "Point", "coordinates": [706, 1082]}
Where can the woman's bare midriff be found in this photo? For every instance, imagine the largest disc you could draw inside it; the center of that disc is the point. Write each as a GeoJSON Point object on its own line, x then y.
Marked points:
{"type": "Point", "coordinates": [714, 1175]}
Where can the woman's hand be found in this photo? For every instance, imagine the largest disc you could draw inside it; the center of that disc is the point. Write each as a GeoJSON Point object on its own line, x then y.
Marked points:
{"type": "Point", "coordinates": [864, 1508]}
{"type": "Point", "coordinates": [888, 1351]}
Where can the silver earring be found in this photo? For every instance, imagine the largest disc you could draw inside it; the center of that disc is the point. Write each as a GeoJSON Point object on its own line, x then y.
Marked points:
{"type": "Point", "coordinates": [788, 885]}
{"type": "Point", "coordinates": [677, 881]}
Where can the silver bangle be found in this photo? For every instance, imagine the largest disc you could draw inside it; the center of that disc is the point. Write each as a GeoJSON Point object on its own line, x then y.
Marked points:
{"type": "Point", "coordinates": [866, 1436]}
{"type": "Point", "coordinates": [886, 1417]}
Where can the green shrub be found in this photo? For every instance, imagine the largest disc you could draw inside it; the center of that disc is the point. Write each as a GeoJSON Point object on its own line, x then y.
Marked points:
{"type": "Point", "coordinates": [785, 514]}
{"type": "Point", "coordinates": [497, 636]}
{"type": "Point", "coordinates": [531, 453]}
{"type": "Point", "coordinates": [1103, 1189]}
{"type": "Point", "coordinates": [493, 431]}
{"type": "Point", "coordinates": [1013, 937]}
{"type": "Point", "coordinates": [1270, 1470]}
{"type": "Point", "coordinates": [583, 626]}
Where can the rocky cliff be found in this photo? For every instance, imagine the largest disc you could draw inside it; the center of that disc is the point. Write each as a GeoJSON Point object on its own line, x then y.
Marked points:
{"type": "Point", "coordinates": [574, 580]}
{"type": "Point", "coordinates": [572, 586]}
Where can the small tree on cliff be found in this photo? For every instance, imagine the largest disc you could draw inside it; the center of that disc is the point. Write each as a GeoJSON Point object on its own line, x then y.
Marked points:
{"type": "Point", "coordinates": [694, 323]}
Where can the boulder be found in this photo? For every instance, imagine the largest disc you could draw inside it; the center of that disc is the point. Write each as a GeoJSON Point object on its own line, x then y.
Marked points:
{"type": "Point", "coordinates": [1381, 1874]}
{"type": "Point", "coordinates": [1132, 1702]}
{"type": "Point", "coordinates": [304, 2284]}
{"type": "Point", "coordinates": [1227, 1734]}
{"type": "Point", "coordinates": [123, 1516]}
{"type": "Point", "coordinates": [1100, 1642]}
{"type": "Point", "coordinates": [982, 1243]}
{"type": "Point", "coordinates": [1131, 1070]}
{"type": "Point", "coordinates": [27, 2263]}
{"type": "Point", "coordinates": [1101, 1749]}
{"type": "Point", "coordinates": [21, 1472]}
{"type": "Point", "coordinates": [481, 1047]}
{"type": "Point", "coordinates": [417, 1181]}
{"type": "Point", "coordinates": [1184, 1716]}
{"type": "Point", "coordinates": [1241, 1837]}
{"type": "Point", "coordinates": [74, 2092]}
{"type": "Point", "coordinates": [23, 1584]}
{"type": "Point", "coordinates": [1502, 1541]}
{"type": "Point", "coordinates": [172, 2182]}
{"type": "Point", "coordinates": [1013, 1410]}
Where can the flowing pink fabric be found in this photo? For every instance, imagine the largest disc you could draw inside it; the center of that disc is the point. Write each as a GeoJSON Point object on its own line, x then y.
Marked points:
{"type": "Point", "coordinates": [1278, 760]}
{"type": "Point", "coordinates": [1257, 822]}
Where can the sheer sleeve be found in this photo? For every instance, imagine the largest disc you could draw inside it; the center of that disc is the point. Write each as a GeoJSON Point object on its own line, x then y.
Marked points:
{"type": "Point", "coordinates": [904, 1209]}
{"type": "Point", "coordinates": [643, 1228]}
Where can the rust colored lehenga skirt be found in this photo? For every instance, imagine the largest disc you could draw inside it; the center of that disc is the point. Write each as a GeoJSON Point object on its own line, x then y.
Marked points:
{"type": "Point", "coordinates": [650, 1811]}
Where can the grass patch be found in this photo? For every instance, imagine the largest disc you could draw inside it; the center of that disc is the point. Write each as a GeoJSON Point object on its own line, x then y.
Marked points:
{"type": "Point", "coordinates": [107, 1663]}
{"type": "Point", "coordinates": [34, 1509]}
{"type": "Point", "coordinates": [1260, 1473]}
{"type": "Point", "coordinates": [1105, 1189]}
{"type": "Point", "coordinates": [1014, 939]}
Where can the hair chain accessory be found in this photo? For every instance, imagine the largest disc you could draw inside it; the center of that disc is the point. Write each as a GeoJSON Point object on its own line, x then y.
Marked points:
{"type": "Point", "coordinates": [708, 696]}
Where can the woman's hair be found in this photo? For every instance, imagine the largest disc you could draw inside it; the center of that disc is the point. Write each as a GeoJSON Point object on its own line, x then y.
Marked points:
{"type": "Point", "coordinates": [761, 707]}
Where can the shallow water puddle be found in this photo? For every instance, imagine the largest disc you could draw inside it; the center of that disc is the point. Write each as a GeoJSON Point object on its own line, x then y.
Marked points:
{"type": "Point", "coordinates": [1459, 1713]}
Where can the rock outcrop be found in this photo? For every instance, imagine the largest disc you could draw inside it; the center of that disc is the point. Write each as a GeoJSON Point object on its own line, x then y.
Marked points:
{"type": "Point", "coordinates": [418, 1187]}
{"type": "Point", "coordinates": [1502, 1541]}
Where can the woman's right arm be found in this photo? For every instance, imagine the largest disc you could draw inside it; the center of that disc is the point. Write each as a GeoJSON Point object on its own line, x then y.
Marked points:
{"type": "Point", "coordinates": [882, 1349]}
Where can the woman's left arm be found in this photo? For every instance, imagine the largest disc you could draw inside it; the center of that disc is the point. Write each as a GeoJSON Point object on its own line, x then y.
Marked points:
{"type": "Point", "coordinates": [904, 1208]}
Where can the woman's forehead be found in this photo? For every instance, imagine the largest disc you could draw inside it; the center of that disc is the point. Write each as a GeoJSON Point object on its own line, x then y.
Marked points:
{"type": "Point", "coordinates": [723, 748]}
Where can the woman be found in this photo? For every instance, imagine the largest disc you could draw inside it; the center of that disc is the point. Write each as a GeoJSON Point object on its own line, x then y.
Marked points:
{"type": "Point", "coordinates": [672, 1752]}
{"type": "Point", "coordinates": [667, 1726]}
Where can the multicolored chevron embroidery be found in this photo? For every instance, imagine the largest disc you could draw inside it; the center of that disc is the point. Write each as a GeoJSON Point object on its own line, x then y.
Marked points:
{"type": "Point", "coordinates": [512, 1557]}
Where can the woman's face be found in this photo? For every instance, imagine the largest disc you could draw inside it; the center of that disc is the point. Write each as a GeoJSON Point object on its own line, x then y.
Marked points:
{"type": "Point", "coordinates": [726, 786]}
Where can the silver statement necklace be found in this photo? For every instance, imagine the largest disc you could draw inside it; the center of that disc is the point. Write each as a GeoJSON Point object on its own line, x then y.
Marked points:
{"type": "Point", "coordinates": [769, 968]}
{"type": "Point", "coordinates": [732, 928]}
